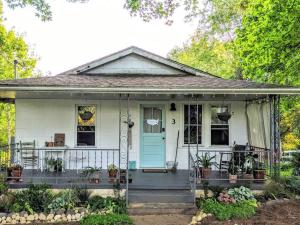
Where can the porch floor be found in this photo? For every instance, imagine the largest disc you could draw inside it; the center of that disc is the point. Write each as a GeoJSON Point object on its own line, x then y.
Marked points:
{"type": "Point", "coordinates": [141, 180]}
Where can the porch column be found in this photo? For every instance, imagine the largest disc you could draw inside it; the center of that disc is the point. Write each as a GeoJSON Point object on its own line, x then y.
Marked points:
{"type": "Point", "coordinates": [275, 135]}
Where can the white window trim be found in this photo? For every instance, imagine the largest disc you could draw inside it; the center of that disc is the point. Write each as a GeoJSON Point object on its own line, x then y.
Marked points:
{"type": "Point", "coordinates": [202, 125]}
{"type": "Point", "coordinates": [76, 124]}
{"type": "Point", "coordinates": [229, 125]}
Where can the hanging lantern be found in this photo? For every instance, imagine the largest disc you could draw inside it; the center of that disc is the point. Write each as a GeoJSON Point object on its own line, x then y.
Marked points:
{"type": "Point", "coordinates": [87, 115]}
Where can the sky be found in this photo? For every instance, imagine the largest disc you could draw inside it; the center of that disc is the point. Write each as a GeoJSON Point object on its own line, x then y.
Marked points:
{"type": "Point", "coordinates": [79, 33]}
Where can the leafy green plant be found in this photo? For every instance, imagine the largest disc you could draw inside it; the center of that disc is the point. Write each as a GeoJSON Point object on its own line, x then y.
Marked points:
{"type": "Point", "coordinates": [205, 160]}
{"type": "Point", "coordinates": [296, 163]}
{"type": "Point", "coordinates": [82, 194]}
{"type": "Point", "coordinates": [216, 190]}
{"type": "Point", "coordinates": [3, 188]}
{"type": "Point", "coordinates": [54, 165]}
{"type": "Point", "coordinates": [108, 219]}
{"type": "Point", "coordinates": [16, 208]}
{"type": "Point", "coordinates": [36, 197]}
{"type": "Point", "coordinates": [222, 211]}
{"type": "Point", "coordinates": [241, 194]}
{"type": "Point", "coordinates": [96, 202]}
{"type": "Point", "coordinates": [232, 168]}
{"type": "Point", "coordinates": [64, 200]}
{"type": "Point", "coordinates": [274, 190]}
{"type": "Point", "coordinates": [293, 184]}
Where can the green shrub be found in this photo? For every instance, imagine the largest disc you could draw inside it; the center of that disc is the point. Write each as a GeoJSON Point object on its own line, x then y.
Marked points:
{"type": "Point", "coordinates": [16, 208]}
{"type": "Point", "coordinates": [216, 190]}
{"type": "Point", "coordinates": [82, 194]}
{"type": "Point", "coordinates": [115, 205]}
{"type": "Point", "coordinates": [36, 198]}
{"type": "Point", "coordinates": [240, 210]}
{"type": "Point", "coordinates": [96, 202]}
{"type": "Point", "coordinates": [108, 219]}
{"type": "Point", "coordinates": [64, 200]}
{"type": "Point", "coordinates": [241, 194]}
{"type": "Point", "coordinates": [296, 163]}
{"type": "Point", "coordinates": [293, 184]}
{"type": "Point", "coordinates": [275, 190]}
{"type": "Point", "coordinates": [3, 188]}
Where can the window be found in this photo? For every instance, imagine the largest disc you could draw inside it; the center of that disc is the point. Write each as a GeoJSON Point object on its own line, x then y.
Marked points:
{"type": "Point", "coordinates": [86, 121]}
{"type": "Point", "coordinates": [192, 124]}
{"type": "Point", "coordinates": [152, 120]}
{"type": "Point", "coordinates": [219, 128]}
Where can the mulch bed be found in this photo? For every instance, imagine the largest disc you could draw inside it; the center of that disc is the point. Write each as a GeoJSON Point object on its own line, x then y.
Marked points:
{"type": "Point", "coordinates": [279, 212]}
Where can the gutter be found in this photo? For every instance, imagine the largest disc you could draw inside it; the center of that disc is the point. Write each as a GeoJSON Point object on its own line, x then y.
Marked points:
{"type": "Point", "coordinates": [254, 91]}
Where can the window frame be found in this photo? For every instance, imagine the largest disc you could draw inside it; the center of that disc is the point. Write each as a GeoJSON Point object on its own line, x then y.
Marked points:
{"type": "Point", "coordinates": [76, 125]}
{"type": "Point", "coordinates": [202, 125]}
{"type": "Point", "coordinates": [211, 124]}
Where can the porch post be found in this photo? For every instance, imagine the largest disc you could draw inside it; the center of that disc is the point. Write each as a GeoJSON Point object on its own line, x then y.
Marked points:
{"type": "Point", "coordinates": [275, 135]}
{"type": "Point", "coordinates": [127, 150]}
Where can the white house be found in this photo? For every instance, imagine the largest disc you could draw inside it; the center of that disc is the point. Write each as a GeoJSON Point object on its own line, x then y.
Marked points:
{"type": "Point", "coordinates": [92, 105]}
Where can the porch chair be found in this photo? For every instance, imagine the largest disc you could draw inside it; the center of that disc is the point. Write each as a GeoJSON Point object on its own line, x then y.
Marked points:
{"type": "Point", "coordinates": [28, 154]}
{"type": "Point", "coordinates": [238, 156]}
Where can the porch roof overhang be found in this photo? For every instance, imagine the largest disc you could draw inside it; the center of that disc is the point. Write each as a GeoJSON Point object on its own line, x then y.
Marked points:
{"type": "Point", "coordinates": [10, 93]}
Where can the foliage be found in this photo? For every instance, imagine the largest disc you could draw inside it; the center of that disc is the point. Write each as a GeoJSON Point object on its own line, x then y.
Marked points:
{"type": "Point", "coordinates": [35, 198]}
{"type": "Point", "coordinates": [82, 194]}
{"type": "Point", "coordinates": [108, 219]}
{"type": "Point", "coordinates": [12, 47]}
{"type": "Point", "coordinates": [205, 160]}
{"type": "Point", "coordinates": [3, 188]}
{"type": "Point", "coordinates": [296, 163]}
{"type": "Point", "coordinates": [206, 54]}
{"type": "Point", "coordinates": [268, 41]}
{"type": "Point", "coordinates": [232, 168]}
{"type": "Point", "coordinates": [241, 194]}
{"type": "Point", "coordinates": [6, 201]}
{"type": "Point", "coordinates": [274, 190]}
{"type": "Point", "coordinates": [112, 167]}
{"type": "Point", "coordinates": [64, 200]}
{"type": "Point", "coordinates": [221, 211]}
{"type": "Point", "coordinates": [216, 190]}
{"type": "Point", "coordinates": [293, 184]}
{"type": "Point", "coordinates": [96, 203]}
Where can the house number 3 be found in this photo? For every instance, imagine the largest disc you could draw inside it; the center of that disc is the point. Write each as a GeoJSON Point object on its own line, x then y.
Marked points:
{"type": "Point", "coordinates": [173, 121]}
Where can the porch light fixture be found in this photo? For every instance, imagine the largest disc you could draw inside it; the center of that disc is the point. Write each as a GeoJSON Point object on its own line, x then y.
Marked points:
{"type": "Point", "coordinates": [173, 107]}
{"type": "Point", "coordinates": [87, 115]}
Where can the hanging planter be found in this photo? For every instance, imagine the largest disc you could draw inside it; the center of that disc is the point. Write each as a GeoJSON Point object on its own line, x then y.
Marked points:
{"type": "Point", "coordinates": [224, 116]}
{"type": "Point", "coordinates": [87, 115]}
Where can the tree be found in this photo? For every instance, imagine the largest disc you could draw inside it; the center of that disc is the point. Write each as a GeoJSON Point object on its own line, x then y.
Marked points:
{"type": "Point", "coordinates": [207, 54]}
{"type": "Point", "coordinates": [12, 47]}
{"type": "Point", "coordinates": [268, 42]}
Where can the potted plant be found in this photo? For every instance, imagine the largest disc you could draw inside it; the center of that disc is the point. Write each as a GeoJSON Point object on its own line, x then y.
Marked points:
{"type": "Point", "coordinates": [16, 171]}
{"type": "Point", "coordinates": [54, 165]}
{"type": "Point", "coordinates": [204, 163]}
{"type": "Point", "coordinates": [112, 172]}
{"type": "Point", "coordinates": [259, 171]}
{"type": "Point", "coordinates": [232, 171]}
{"type": "Point", "coordinates": [123, 177]}
{"type": "Point", "coordinates": [93, 174]}
{"type": "Point", "coordinates": [248, 167]}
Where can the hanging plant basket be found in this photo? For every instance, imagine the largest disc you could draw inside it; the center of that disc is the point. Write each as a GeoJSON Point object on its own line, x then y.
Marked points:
{"type": "Point", "coordinates": [87, 115]}
{"type": "Point", "coordinates": [224, 116]}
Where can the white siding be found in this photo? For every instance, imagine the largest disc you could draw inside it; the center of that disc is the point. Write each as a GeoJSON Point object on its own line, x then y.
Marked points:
{"type": "Point", "coordinates": [134, 64]}
{"type": "Point", "coordinates": [39, 119]}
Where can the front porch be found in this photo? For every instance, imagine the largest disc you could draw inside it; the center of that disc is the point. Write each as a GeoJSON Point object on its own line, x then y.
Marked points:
{"type": "Point", "coordinates": [140, 180]}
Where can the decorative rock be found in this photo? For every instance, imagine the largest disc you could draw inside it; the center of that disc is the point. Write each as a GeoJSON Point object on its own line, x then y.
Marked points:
{"type": "Point", "coordinates": [42, 217]}
{"type": "Point", "coordinates": [8, 219]}
{"type": "Point", "coordinates": [73, 217]}
{"type": "Point", "coordinates": [69, 217]}
{"type": "Point", "coordinates": [3, 214]}
{"type": "Point", "coordinates": [23, 214]}
{"type": "Point", "coordinates": [50, 216]}
{"type": "Point", "coordinates": [57, 217]}
{"type": "Point", "coordinates": [30, 218]}
{"type": "Point", "coordinates": [77, 216]}
{"type": "Point", "coordinates": [13, 222]}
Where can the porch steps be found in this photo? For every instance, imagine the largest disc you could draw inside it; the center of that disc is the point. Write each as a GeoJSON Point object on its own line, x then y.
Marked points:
{"type": "Point", "coordinates": [147, 202]}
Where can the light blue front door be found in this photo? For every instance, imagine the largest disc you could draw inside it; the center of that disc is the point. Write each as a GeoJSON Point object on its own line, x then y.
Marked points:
{"type": "Point", "coordinates": [153, 137]}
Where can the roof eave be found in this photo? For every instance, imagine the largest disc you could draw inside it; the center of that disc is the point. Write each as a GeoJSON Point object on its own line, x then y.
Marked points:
{"type": "Point", "coordinates": [254, 91]}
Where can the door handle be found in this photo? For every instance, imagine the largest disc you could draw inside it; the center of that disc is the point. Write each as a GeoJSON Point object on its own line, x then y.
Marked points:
{"type": "Point", "coordinates": [163, 138]}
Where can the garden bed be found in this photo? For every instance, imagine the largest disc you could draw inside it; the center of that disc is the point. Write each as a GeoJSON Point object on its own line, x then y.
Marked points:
{"type": "Point", "coordinates": [275, 212]}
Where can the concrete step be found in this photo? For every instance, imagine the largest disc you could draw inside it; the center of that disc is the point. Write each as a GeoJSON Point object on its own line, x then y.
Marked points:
{"type": "Point", "coordinates": [160, 196]}
{"type": "Point", "coordinates": [161, 208]}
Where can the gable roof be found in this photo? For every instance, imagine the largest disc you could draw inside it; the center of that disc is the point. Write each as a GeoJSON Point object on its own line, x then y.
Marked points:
{"type": "Point", "coordinates": [181, 68]}
{"type": "Point", "coordinates": [175, 78]}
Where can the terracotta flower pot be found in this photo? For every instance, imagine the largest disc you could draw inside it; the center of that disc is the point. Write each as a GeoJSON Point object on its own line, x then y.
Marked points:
{"type": "Point", "coordinates": [205, 172]}
{"type": "Point", "coordinates": [16, 173]}
{"type": "Point", "coordinates": [259, 175]}
{"type": "Point", "coordinates": [112, 173]}
{"type": "Point", "coordinates": [248, 176]}
{"type": "Point", "coordinates": [232, 178]}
